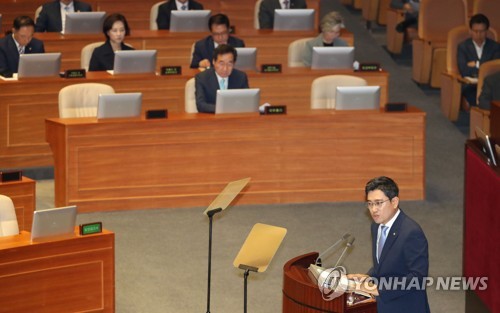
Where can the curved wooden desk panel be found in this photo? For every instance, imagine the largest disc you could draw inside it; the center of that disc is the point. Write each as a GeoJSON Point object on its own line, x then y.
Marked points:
{"type": "Point", "coordinates": [68, 275]}
{"type": "Point", "coordinates": [185, 161]}
{"type": "Point", "coordinates": [25, 104]}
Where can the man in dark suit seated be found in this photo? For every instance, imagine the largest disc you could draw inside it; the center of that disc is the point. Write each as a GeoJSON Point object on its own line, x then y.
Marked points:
{"type": "Point", "coordinates": [203, 53]}
{"type": "Point", "coordinates": [490, 91]}
{"type": "Point", "coordinates": [400, 252]}
{"type": "Point", "coordinates": [473, 52]}
{"type": "Point", "coordinates": [163, 18]}
{"type": "Point", "coordinates": [221, 76]}
{"type": "Point", "coordinates": [19, 42]}
{"type": "Point", "coordinates": [52, 16]}
{"type": "Point", "coordinates": [267, 7]}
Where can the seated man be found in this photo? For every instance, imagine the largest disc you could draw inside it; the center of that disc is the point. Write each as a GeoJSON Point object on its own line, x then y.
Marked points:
{"type": "Point", "coordinates": [330, 31]}
{"type": "Point", "coordinates": [20, 41]}
{"type": "Point", "coordinates": [267, 7]}
{"type": "Point", "coordinates": [473, 52]}
{"type": "Point", "coordinates": [490, 91]}
{"type": "Point", "coordinates": [220, 76]}
{"type": "Point", "coordinates": [204, 49]}
{"type": "Point", "coordinates": [411, 8]}
{"type": "Point", "coordinates": [163, 18]}
{"type": "Point", "coordinates": [53, 14]}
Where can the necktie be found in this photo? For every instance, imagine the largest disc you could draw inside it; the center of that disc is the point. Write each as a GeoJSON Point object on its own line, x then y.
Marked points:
{"type": "Point", "coordinates": [286, 4]}
{"type": "Point", "coordinates": [223, 84]}
{"type": "Point", "coordinates": [21, 49]}
{"type": "Point", "coordinates": [381, 241]}
{"type": "Point", "coordinates": [183, 7]}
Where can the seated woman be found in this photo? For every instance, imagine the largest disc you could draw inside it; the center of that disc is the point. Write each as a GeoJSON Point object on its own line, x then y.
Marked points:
{"type": "Point", "coordinates": [330, 31]}
{"type": "Point", "coordinates": [115, 28]}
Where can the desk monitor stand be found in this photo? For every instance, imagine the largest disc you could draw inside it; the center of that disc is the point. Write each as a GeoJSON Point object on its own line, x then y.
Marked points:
{"type": "Point", "coordinates": [218, 205]}
{"type": "Point", "coordinates": [258, 251]}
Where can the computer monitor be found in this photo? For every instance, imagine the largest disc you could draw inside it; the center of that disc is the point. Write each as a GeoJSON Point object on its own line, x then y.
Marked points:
{"type": "Point", "coordinates": [357, 98]}
{"type": "Point", "coordinates": [247, 59]}
{"type": "Point", "coordinates": [237, 101]}
{"type": "Point", "coordinates": [486, 145]}
{"type": "Point", "coordinates": [134, 61]}
{"type": "Point", "coordinates": [332, 58]}
{"type": "Point", "coordinates": [53, 222]}
{"type": "Point", "coordinates": [189, 21]}
{"type": "Point", "coordinates": [296, 19]}
{"type": "Point", "coordinates": [39, 65]}
{"type": "Point", "coordinates": [119, 105]}
{"type": "Point", "coordinates": [84, 22]}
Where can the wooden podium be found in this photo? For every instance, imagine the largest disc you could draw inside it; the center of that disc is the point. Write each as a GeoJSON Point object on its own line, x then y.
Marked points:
{"type": "Point", "coordinates": [300, 294]}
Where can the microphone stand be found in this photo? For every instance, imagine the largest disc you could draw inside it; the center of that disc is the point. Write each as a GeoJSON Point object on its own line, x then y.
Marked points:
{"type": "Point", "coordinates": [343, 238]}
{"type": "Point", "coordinates": [348, 245]}
{"type": "Point", "coordinates": [210, 215]}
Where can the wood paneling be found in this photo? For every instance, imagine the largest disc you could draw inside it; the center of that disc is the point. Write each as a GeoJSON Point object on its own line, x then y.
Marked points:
{"type": "Point", "coordinates": [319, 155]}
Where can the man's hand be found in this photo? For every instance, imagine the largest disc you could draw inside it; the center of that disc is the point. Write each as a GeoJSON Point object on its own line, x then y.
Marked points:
{"type": "Point", "coordinates": [204, 63]}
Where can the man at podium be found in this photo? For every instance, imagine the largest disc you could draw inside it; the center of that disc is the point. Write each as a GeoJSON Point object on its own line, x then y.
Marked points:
{"type": "Point", "coordinates": [400, 252]}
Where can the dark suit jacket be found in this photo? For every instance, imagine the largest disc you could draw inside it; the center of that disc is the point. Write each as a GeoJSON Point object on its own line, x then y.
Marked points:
{"type": "Point", "coordinates": [405, 255]}
{"type": "Point", "coordinates": [163, 18]}
{"type": "Point", "coordinates": [490, 91]}
{"type": "Point", "coordinates": [267, 7]}
{"type": "Point", "coordinates": [204, 49]}
{"type": "Point", "coordinates": [206, 85]}
{"type": "Point", "coordinates": [466, 53]}
{"type": "Point", "coordinates": [50, 20]}
{"type": "Point", "coordinates": [103, 57]}
{"type": "Point", "coordinates": [9, 55]}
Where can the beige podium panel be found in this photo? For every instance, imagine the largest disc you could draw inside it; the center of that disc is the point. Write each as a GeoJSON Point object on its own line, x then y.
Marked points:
{"type": "Point", "coordinates": [227, 195]}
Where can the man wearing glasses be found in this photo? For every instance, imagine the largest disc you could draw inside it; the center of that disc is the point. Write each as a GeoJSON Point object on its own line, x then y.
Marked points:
{"type": "Point", "coordinates": [204, 49]}
{"type": "Point", "coordinates": [400, 252]}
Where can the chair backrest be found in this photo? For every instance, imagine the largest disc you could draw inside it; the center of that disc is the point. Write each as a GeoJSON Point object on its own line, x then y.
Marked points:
{"type": "Point", "coordinates": [189, 97]}
{"type": "Point", "coordinates": [86, 54]}
{"type": "Point", "coordinates": [437, 17]}
{"type": "Point", "coordinates": [256, 23]}
{"type": "Point", "coordinates": [37, 12]}
{"type": "Point", "coordinates": [80, 100]}
{"type": "Point", "coordinates": [490, 8]}
{"type": "Point", "coordinates": [324, 89]}
{"type": "Point", "coordinates": [8, 220]}
{"type": "Point", "coordinates": [486, 69]}
{"type": "Point", "coordinates": [296, 52]}
{"type": "Point", "coordinates": [153, 14]}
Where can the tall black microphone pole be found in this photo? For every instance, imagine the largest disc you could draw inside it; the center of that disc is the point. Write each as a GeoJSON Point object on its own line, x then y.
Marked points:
{"type": "Point", "coordinates": [210, 214]}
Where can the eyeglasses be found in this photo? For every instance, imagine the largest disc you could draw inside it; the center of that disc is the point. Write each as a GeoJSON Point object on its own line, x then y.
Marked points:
{"type": "Point", "coordinates": [375, 204]}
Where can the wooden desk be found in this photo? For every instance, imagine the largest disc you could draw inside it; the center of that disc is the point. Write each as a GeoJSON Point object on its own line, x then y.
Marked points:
{"type": "Point", "coordinates": [174, 48]}
{"type": "Point", "coordinates": [185, 161]}
{"type": "Point", "coordinates": [23, 194]}
{"type": "Point", "coordinates": [69, 275]}
{"type": "Point", "coordinates": [24, 105]}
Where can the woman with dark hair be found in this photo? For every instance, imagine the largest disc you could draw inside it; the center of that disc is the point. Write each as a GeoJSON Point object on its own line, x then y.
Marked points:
{"type": "Point", "coordinates": [115, 28]}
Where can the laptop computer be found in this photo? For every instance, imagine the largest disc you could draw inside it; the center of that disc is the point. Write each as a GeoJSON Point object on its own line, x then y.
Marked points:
{"type": "Point", "coordinates": [119, 105]}
{"type": "Point", "coordinates": [56, 222]}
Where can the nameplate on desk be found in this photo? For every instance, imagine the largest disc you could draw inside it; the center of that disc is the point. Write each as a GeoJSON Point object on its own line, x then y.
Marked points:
{"type": "Point", "coordinates": [171, 70]}
{"type": "Point", "coordinates": [275, 109]}
{"type": "Point", "coordinates": [76, 73]}
{"type": "Point", "coordinates": [11, 176]}
{"type": "Point", "coordinates": [396, 107]}
{"type": "Point", "coordinates": [152, 114]}
{"type": "Point", "coordinates": [271, 68]}
{"type": "Point", "coordinates": [91, 228]}
{"type": "Point", "coordinates": [369, 67]}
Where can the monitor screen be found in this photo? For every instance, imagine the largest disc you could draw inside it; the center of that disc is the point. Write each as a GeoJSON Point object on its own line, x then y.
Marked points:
{"type": "Point", "coordinates": [134, 61]}
{"type": "Point", "coordinates": [237, 101]}
{"type": "Point", "coordinates": [332, 58]}
{"type": "Point", "coordinates": [357, 98]}
{"type": "Point", "coordinates": [296, 19]}
{"type": "Point", "coordinates": [119, 105]}
{"type": "Point", "coordinates": [246, 59]}
{"type": "Point", "coordinates": [189, 21]}
{"type": "Point", "coordinates": [486, 145]}
{"type": "Point", "coordinates": [84, 22]}
{"type": "Point", "coordinates": [53, 222]}
{"type": "Point", "coordinates": [39, 65]}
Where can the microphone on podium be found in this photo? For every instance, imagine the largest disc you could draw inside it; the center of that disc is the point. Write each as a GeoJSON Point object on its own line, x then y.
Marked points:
{"type": "Point", "coordinates": [346, 236]}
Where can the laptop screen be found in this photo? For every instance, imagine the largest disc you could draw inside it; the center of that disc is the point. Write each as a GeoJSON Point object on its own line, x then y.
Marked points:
{"type": "Point", "coordinates": [53, 222]}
